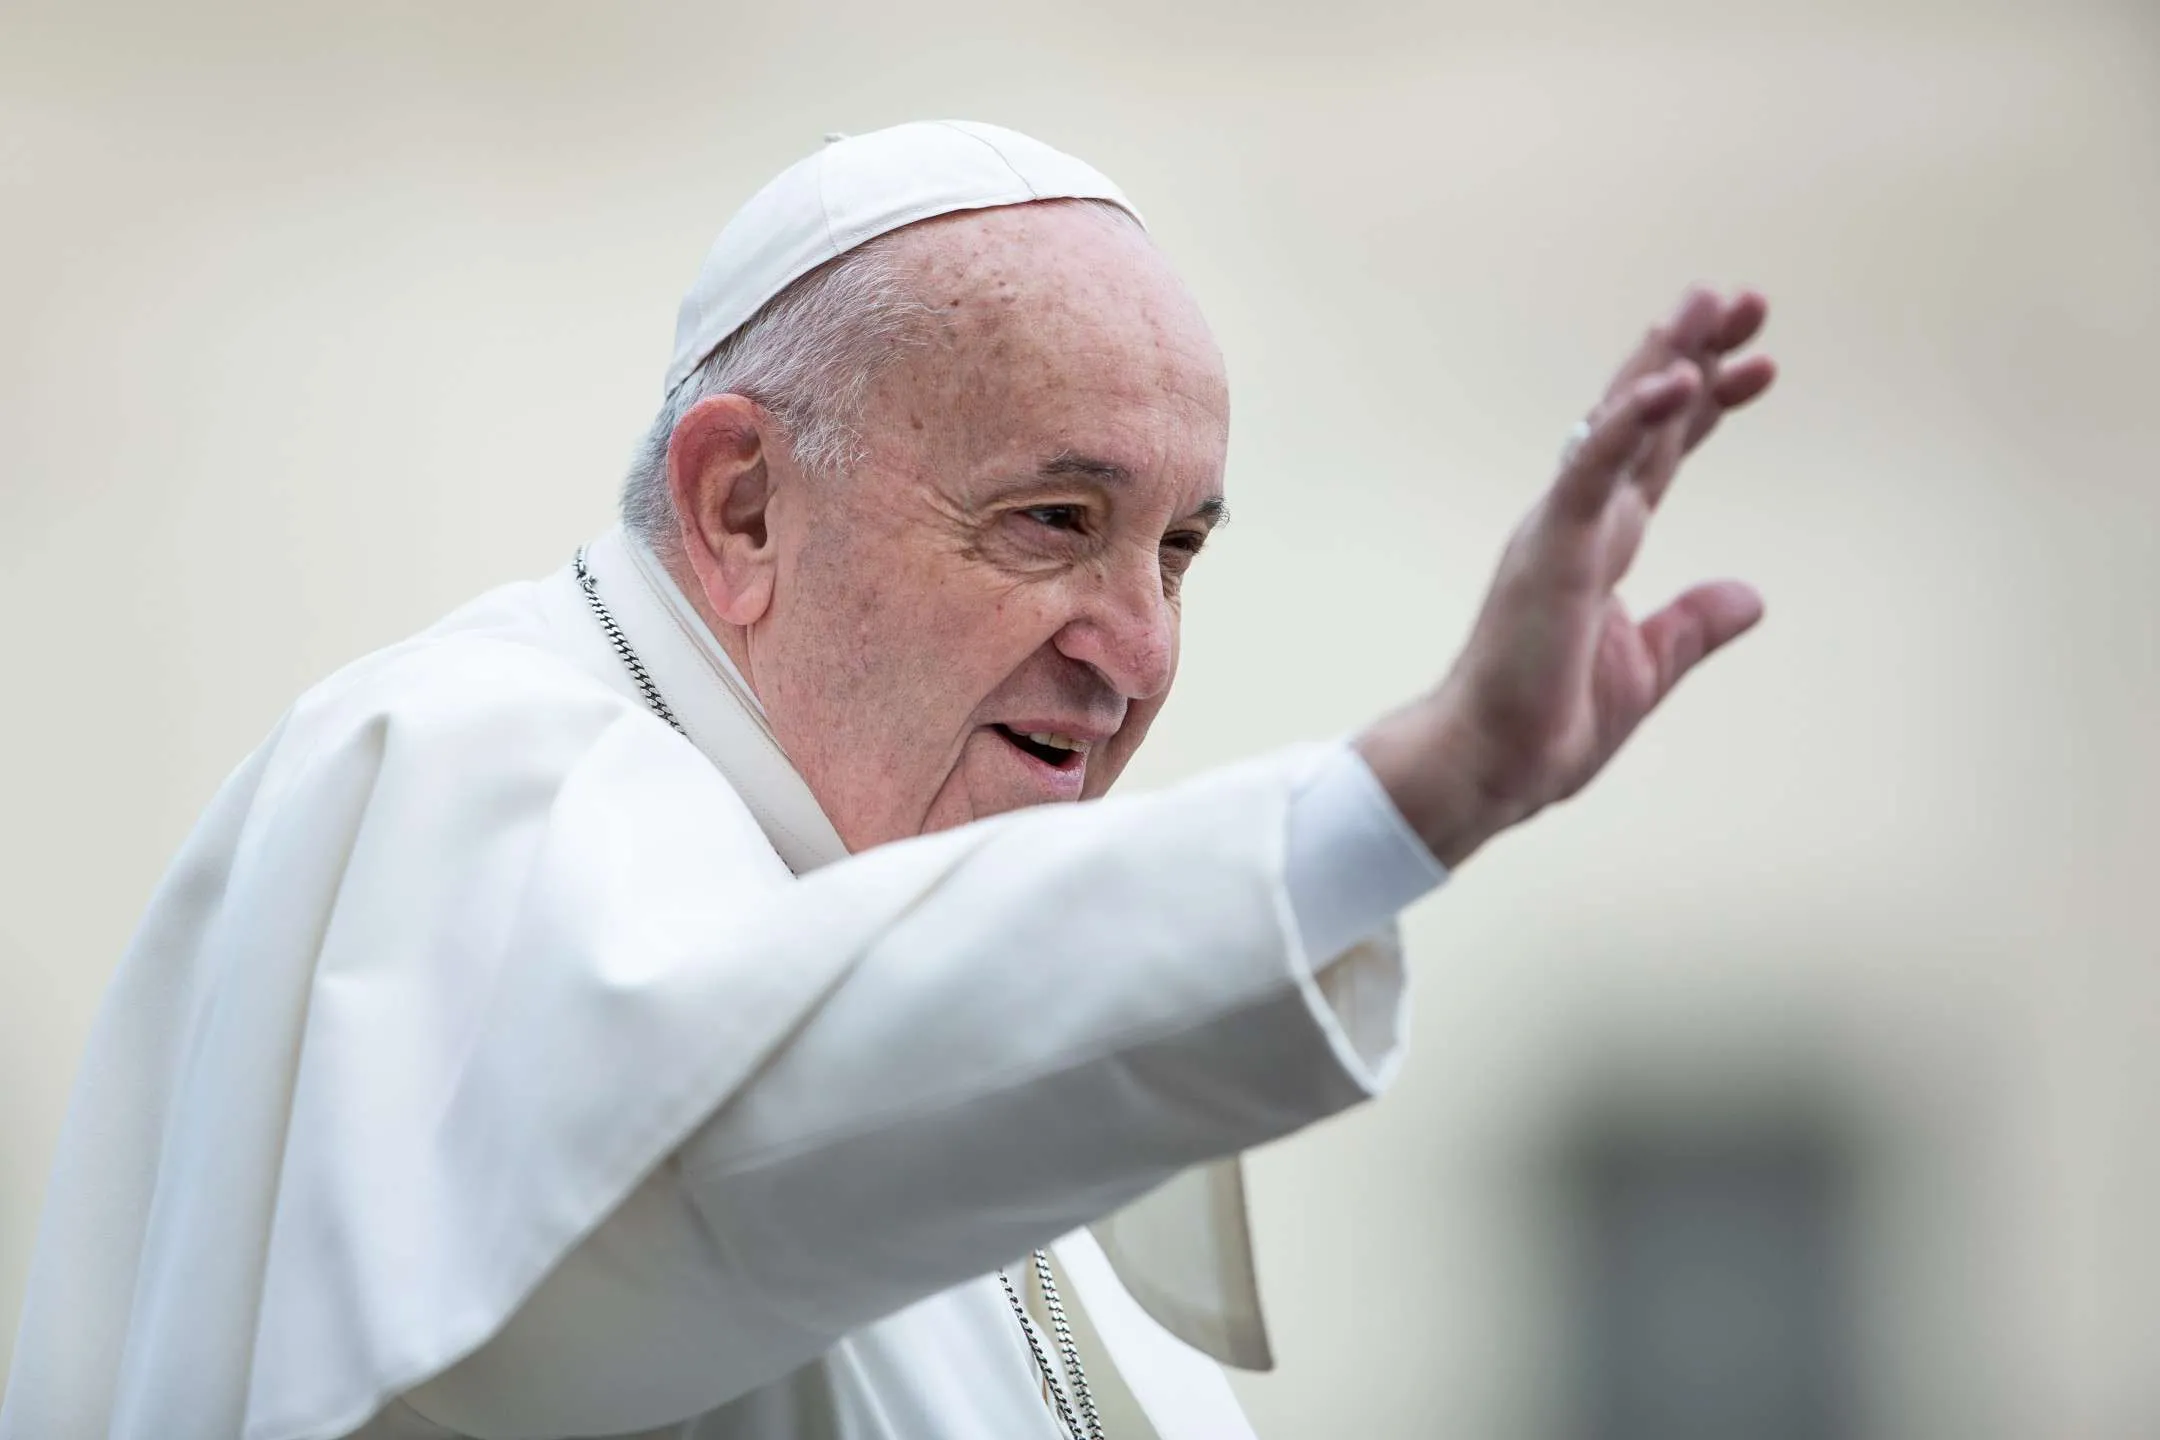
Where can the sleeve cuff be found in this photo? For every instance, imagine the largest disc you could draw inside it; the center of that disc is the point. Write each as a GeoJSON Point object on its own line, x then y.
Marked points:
{"type": "Point", "coordinates": [1351, 861]}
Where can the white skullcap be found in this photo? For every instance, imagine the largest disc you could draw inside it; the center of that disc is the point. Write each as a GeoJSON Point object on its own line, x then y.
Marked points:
{"type": "Point", "coordinates": [858, 188]}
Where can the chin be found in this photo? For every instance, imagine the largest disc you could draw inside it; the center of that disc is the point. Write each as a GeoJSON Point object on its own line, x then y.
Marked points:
{"type": "Point", "coordinates": [1009, 804]}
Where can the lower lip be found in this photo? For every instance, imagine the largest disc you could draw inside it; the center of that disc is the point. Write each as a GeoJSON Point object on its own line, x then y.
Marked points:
{"type": "Point", "coordinates": [1058, 782]}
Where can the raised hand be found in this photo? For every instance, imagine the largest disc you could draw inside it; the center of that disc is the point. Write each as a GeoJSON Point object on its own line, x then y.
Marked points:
{"type": "Point", "coordinates": [1556, 675]}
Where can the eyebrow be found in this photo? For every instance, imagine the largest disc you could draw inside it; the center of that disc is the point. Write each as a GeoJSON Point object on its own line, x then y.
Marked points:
{"type": "Point", "coordinates": [1068, 465]}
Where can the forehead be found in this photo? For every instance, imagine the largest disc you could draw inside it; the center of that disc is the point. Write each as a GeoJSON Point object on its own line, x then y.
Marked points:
{"type": "Point", "coordinates": [1054, 329]}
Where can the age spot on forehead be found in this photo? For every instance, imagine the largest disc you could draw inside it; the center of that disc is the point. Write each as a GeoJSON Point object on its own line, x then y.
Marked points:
{"type": "Point", "coordinates": [1063, 319]}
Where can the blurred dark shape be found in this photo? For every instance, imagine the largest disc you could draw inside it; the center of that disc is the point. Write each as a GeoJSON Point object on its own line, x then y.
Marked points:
{"type": "Point", "coordinates": [1712, 1281]}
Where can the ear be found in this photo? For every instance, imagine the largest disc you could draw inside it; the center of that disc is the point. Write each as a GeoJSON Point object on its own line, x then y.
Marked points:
{"type": "Point", "coordinates": [722, 483]}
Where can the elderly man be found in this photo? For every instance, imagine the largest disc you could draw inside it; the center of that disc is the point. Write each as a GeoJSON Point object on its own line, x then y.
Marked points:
{"type": "Point", "coordinates": [660, 999]}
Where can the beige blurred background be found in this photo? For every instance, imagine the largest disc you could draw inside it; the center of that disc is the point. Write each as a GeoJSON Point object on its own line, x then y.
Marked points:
{"type": "Point", "coordinates": [1803, 1079]}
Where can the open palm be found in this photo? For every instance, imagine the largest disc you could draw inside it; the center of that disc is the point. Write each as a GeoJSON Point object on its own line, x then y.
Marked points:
{"type": "Point", "coordinates": [1556, 674]}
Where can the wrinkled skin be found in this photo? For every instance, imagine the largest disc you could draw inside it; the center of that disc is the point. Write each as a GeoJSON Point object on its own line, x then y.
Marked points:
{"type": "Point", "coordinates": [1037, 477]}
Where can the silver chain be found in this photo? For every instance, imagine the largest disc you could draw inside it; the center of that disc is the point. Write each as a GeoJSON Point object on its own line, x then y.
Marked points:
{"type": "Point", "coordinates": [621, 642]}
{"type": "Point", "coordinates": [1081, 1420]}
{"type": "Point", "coordinates": [1083, 1399]}
{"type": "Point", "coordinates": [1078, 1409]}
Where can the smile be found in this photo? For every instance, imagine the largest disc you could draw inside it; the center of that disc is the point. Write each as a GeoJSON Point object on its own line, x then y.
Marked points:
{"type": "Point", "coordinates": [1060, 752]}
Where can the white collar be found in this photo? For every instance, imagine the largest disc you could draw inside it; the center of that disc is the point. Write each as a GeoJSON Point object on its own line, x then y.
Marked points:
{"type": "Point", "coordinates": [656, 575]}
{"type": "Point", "coordinates": [719, 712]}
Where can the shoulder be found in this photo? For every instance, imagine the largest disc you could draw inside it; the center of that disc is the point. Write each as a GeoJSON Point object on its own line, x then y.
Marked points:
{"type": "Point", "coordinates": [462, 677]}
{"type": "Point", "coordinates": [489, 718]}
{"type": "Point", "coordinates": [447, 754]}
{"type": "Point", "coordinates": [502, 652]}
{"type": "Point", "coordinates": [472, 711]}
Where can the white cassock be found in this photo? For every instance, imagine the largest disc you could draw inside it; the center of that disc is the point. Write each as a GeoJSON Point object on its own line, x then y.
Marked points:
{"type": "Point", "coordinates": [494, 1061]}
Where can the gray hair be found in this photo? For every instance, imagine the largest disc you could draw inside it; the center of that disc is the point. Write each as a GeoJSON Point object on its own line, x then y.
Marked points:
{"type": "Point", "coordinates": [809, 357]}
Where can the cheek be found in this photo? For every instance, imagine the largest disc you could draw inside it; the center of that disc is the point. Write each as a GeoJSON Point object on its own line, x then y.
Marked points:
{"type": "Point", "coordinates": [954, 803]}
{"type": "Point", "coordinates": [987, 632]}
{"type": "Point", "coordinates": [921, 658]}
{"type": "Point", "coordinates": [889, 626]}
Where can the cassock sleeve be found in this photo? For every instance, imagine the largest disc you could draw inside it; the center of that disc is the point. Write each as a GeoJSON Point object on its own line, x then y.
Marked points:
{"type": "Point", "coordinates": [1091, 999]}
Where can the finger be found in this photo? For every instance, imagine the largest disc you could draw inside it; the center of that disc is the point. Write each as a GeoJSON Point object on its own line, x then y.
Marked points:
{"type": "Point", "coordinates": [1742, 321]}
{"type": "Point", "coordinates": [1653, 471]}
{"type": "Point", "coordinates": [1743, 380]}
{"type": "Point", "coordinates": [1698, 625]}
{"type": "Point", "coordinates": [1729, 388]}
{"type": "Point", "coordinates": [1695, 324]}
{"type": "Point", "coordinates": [1616, 436]}
{"type": "Point", "coordinates": [1687, 331]}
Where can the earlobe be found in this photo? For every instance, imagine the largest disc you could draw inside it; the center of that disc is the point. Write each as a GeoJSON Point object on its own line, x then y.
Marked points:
{"type": "Point", "coordinates": [722, 486]}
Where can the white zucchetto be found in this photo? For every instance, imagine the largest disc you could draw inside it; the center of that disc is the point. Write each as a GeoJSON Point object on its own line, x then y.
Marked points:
{"type": "Point", "coordinates": [854, 189]}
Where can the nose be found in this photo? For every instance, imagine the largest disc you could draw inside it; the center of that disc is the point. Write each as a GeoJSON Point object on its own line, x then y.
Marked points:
{"type": "Point", "coordinates": [1126, 631]}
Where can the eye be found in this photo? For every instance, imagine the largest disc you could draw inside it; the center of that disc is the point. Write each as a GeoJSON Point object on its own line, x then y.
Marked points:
{"type": "Point", "coordinates": [1179, 548]}
{"type": "Point", "coordinates": [1057, 517]}
{"type": "Point", "coordinates": [1185, 542]}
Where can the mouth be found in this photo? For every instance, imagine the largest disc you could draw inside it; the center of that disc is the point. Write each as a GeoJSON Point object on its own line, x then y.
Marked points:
{"type": "Point", "coordinates": [1058, 751]}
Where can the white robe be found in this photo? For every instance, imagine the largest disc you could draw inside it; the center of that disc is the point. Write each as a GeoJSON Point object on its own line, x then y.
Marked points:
{"type": "Point", "coordinates": [483, 1067]}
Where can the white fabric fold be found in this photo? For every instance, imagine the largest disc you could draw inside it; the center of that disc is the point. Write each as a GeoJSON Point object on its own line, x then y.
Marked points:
{"type": "Point", "coordinates": [1184, 1252]}
{"type": "Point", "coordinates": [459, 961]}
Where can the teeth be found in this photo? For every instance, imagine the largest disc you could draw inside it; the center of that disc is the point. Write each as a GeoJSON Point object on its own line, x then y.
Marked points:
{"type": "Point", "coordinates": [1056, 742]}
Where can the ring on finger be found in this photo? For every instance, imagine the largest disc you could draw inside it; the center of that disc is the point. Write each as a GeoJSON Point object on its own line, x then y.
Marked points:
{"type": "Point", "coordinates": [1577, 434]}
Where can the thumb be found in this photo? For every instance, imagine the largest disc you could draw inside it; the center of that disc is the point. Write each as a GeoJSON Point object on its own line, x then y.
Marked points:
{"type": "Point", "coordinates": [1696, 626]}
